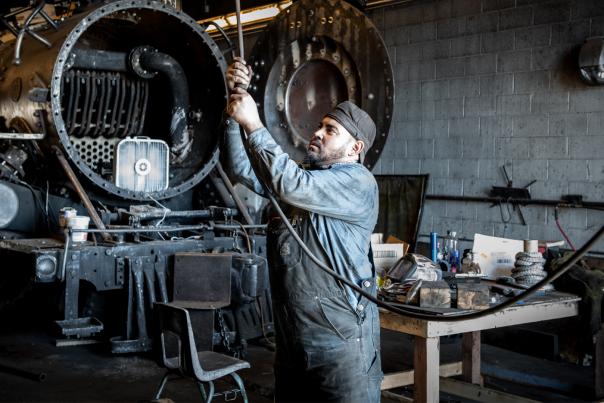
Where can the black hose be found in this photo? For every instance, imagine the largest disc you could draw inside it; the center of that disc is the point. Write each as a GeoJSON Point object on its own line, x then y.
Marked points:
{"type": "Point", "coordinates": [168, 66]}
{"type": "Point", "coordinates": [225, 37]}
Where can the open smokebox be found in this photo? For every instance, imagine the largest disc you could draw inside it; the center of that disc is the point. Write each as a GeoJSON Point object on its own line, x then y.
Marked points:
{"type": "Point", "coordinates": [118, 72]}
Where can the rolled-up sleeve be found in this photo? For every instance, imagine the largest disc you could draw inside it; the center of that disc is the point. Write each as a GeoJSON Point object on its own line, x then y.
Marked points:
{"type": "Point", "coordinates": [235, 160]}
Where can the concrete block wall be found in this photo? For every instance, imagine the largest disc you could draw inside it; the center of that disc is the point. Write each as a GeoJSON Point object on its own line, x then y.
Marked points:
{"type": "Point", "coordinates": [485, 83]}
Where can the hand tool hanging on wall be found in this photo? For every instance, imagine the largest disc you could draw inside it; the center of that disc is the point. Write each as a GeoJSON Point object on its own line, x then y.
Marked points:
{"type": "Point", "coordinates": [509, 192]}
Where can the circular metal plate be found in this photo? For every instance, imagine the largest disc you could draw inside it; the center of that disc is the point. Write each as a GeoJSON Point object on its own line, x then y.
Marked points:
{"type": "Point", "coordinates": [9, 205]}
{"type": "Point", "coordinates": [313, 56]}
{"type": "Point", "coordinates": [119, 10]}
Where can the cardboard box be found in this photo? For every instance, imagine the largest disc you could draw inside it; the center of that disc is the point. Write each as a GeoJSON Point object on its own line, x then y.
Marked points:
{"type": "Point", "coordinates": [496, 256]}
{"type": "Point", "coordinates": [385, 255]}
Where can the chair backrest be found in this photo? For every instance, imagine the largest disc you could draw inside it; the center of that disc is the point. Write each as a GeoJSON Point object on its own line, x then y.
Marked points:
{"type": "Point", "coordinates": [176, 320]}
{"type": "Point", "coordinates": [401, 206]}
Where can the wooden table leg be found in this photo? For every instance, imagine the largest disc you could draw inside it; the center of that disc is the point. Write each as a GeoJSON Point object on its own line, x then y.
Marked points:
{"type": "Point", "coordinates": [470, 352]}
{"type": "Point", "coordinates": [426, 363]}
{"type": "Point", "coordinates": [599, 366]}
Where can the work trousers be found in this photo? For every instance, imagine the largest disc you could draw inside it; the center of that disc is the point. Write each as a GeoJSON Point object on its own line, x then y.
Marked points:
{"type": "Point", "coordinates": [326, 351]}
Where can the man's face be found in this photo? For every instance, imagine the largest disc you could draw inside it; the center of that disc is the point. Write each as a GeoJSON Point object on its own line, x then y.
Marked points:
{"type": "Point", "coordinates": [329, 143]}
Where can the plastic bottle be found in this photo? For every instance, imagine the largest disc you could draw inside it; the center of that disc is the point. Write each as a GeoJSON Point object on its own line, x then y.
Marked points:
{"type": "Point", "coordinates": [446, 247]}
{"type": "Point", "coordinates": [471, 264]}
{"type": "Point", "coordinates": [453, 251]}
{"type": "Point", "coordinates": [433, 246]}
{"type": "Point", "coordinates": [439, 254]}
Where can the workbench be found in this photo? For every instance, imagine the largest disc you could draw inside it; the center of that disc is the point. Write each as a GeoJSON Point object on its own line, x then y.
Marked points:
{"type": "Point", "coordinates": [429, 376]}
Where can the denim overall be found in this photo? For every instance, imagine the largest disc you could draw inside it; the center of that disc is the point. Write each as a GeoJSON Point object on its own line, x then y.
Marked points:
{"type": "Point", "coordinates": [326, 349]}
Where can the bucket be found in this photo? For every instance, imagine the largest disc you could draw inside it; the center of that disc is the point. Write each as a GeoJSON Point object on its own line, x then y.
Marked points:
{"type": "Point", "coordinates": [65, 214]}
{"type": "Point", "coordinates": [78, 222]}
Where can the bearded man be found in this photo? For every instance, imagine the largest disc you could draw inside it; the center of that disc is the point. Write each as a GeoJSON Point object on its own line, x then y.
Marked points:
{"type": "Point", "coordinates": [327, 335]}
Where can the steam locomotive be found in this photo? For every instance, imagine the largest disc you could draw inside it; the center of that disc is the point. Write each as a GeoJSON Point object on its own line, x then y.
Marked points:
{"type": "Point", "coordinates": [116, 112]}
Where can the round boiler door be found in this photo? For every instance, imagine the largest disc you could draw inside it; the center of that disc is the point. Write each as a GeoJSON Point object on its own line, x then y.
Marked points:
{"type": "Point", "coordinates": [315, 88]}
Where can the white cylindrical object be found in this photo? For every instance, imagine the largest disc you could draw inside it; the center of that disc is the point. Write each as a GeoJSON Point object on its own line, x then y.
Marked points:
{"type": "Point", "coordinates": [531, 245]}
{"type": "Point", "coordinates": [78, 222]}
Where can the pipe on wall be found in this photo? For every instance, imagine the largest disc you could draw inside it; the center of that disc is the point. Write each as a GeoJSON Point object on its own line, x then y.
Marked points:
{"type": "Point", "coordinates": [540, 202]}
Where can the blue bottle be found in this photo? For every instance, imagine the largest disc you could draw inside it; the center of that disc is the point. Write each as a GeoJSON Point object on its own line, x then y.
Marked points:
{"type": "Point", "coordinates": [434, 246]}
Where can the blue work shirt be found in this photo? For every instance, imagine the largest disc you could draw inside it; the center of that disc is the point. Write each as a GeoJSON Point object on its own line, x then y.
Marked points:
{"type": "Point", "coordinates": [342, 199]}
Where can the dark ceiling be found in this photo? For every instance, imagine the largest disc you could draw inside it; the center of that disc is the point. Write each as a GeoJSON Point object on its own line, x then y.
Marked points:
{"type": "Point", "coordinates": [198, 9]}
{"type": "Point", "coordinates": [202, 9]}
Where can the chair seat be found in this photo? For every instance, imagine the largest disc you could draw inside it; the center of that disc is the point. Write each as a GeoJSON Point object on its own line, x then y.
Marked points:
{"type": "Point", "coordinates": [215, 365]}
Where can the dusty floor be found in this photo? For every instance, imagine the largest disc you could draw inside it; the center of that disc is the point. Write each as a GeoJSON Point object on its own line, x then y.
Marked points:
{"type": "Point", "coordinates": [91, 374]}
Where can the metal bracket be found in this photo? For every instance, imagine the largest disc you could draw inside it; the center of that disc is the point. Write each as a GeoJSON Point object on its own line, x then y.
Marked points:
{"type": "Point", "coordinates": [22, 136]}
{"type": "Point", "coordinates": [146, 279]}
{"type": "Point", "coordinates": [510, 192]}
{"type": "Point", "coordinates": [20, 31]}
{"type": "Point", "coordinates": [73, 325]}
{"type": "Point", "coordinates": [39, 94]}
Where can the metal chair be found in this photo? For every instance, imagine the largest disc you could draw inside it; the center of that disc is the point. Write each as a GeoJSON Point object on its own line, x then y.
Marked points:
{"type": "Point", "coordinates": [202, 366]}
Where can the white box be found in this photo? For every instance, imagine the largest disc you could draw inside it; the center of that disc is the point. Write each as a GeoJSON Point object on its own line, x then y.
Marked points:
{"type": "Point", "coordinates": [496, 256]}
{"type": "Point", "coordinates": [385, 255]}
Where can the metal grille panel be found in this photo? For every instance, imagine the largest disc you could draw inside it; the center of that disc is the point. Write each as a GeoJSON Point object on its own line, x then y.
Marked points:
{"type": "Point", "coordinates": [95, 151]}
{"type": "Point", "coordinates": [107, 104]}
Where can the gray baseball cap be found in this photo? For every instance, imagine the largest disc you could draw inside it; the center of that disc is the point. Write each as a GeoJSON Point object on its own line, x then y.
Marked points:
{"type": "Point", "coordinates": [358, 123]}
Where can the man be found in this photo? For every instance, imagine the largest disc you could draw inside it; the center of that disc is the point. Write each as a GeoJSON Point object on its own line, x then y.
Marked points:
{"type": "Point", "coordinates": [327, 335]}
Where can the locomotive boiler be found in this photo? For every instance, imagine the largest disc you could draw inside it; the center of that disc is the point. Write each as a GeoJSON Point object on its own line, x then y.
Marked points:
{"type": "Point", "coordinates": [117, 112]}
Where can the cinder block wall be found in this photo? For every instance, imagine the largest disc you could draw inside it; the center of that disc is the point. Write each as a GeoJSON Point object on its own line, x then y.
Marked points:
{"type": "Point", "coordinates": [485, 83]}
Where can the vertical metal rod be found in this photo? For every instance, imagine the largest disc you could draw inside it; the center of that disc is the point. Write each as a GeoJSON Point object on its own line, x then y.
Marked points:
{"type": "Point", "coordinates": [81, 192]}
{"type": "Point", "coordinates": [221, 172]}
{"type": "Point", "coordinates": [239, 28]}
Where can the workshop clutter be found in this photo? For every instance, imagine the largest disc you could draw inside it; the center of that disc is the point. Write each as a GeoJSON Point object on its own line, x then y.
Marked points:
{"type": "Point", "coordinates": [78, 222]}
{"type": "Point", "coordinates": [411, 270]}
{"type": "Point", "coordinates": [417, 280]}
{"type": "Point", "coordinates": [528, 268]}
{"type": "Point", "coordinates": [65, 214]}
{"type": "Point", "coordinates": [413, 267]}
{"type": "Point", "coordinates": [386, 254]}
{"type": "Point", "coordinates": [69, 218]}
{"type": "Point", "coordinates": [454, 283]}
{"type": "Point", "coordinates": [448, 255]}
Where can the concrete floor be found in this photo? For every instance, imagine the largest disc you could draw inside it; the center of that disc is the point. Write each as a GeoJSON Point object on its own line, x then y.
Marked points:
{"type": "Point", "coordinates": [91, 374]}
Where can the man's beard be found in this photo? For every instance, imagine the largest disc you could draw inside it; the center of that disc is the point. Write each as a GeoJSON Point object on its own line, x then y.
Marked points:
{"type": "Point", "coordinates": [319, 157]}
